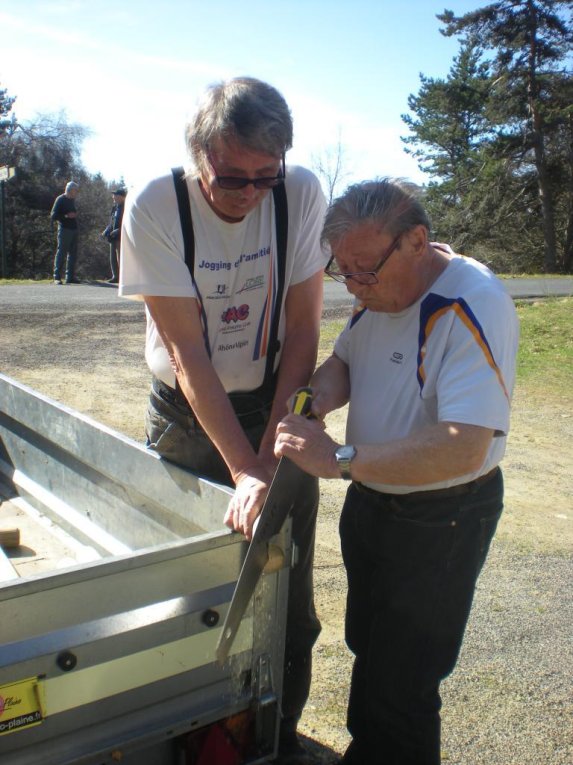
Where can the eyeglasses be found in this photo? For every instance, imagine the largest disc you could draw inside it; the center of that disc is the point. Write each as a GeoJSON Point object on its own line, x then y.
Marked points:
{"type": "Point", "coordinates": [233, 183]}
{"type": "Point", "coordinates": [362, 277]}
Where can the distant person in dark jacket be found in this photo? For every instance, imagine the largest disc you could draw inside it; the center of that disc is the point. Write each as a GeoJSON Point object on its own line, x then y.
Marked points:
{"type": "Point", "coordinates": [64, 213]}
{"type": "Point", "coordinates": [112, 232]}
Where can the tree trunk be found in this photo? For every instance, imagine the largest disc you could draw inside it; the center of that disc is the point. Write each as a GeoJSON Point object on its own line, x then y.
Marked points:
{"type": "Point", "coordinates": [567, 260]}
{"type": "Point", "coordinates": [544, 189]}
{"type": "Point", "coordinates": [547, 208]}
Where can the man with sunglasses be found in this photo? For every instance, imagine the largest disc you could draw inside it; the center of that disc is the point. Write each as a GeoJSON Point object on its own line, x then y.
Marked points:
{"type": "Point", "coordinates": [233, 297]}
{"type": "Point", "coordinates": [427, 366]}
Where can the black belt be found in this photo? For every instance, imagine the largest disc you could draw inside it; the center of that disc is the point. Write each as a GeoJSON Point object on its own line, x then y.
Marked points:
{"type": "Point", "coordinates": [420, 496]}
{"type": "Point", "coordinates": [171, 395]}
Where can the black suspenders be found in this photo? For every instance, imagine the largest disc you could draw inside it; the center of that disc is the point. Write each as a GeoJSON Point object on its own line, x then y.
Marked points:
{"type": "Point", "coordinates": [281, 224]}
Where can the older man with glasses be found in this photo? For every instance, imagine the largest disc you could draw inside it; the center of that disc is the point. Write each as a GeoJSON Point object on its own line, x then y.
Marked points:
{"type": "Point", "coordinates": [427, 365]}
{"type": "Point", "coordinates": [226, 255]}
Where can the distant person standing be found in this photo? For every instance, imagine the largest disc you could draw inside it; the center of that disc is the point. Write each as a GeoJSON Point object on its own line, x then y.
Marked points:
{"type": "Point", "coordinates": [65, 214]}
{"type": "Point", "coordinates": [112, 232]}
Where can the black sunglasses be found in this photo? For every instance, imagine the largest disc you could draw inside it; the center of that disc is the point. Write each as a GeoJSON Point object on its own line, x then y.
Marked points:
{"type": "Point", "coordinates": [233, 183]}
{"type": "Point", "coordinates": [362, 277]}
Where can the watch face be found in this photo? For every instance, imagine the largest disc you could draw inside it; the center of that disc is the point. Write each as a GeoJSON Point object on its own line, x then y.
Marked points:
{"type": "Point", "coordinates": [345, 452]}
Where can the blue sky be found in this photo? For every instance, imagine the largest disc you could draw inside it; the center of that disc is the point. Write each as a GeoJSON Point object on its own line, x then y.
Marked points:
{"type": "Point", "coordinates": [131, 71]}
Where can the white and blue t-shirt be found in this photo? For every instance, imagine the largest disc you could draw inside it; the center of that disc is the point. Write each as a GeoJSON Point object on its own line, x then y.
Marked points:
{"type": "Point", "coordinates": [449, 357]}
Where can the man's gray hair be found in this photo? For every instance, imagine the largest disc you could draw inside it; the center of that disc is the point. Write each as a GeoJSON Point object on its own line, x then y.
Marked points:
{"type": "Point", "coordinates": [392, 203]}
{"type": "Point", "coordinates": [246, 109]}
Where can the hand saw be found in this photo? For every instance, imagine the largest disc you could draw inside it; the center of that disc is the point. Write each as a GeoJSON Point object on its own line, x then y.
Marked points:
{"type": "Point", "coordinates": [270, 521]}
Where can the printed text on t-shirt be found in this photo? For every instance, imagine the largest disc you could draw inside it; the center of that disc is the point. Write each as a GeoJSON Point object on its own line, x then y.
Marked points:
{"type": "Point", "coordinates": [223, 265]}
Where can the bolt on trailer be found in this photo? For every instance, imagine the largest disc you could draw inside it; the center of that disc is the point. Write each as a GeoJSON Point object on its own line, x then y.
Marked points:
{"type": "Point", "coordinates": [116, 574]}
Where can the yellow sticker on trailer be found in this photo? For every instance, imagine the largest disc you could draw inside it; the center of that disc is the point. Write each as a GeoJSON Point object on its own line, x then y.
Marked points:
{"type": "Point", "coordinates": [20, 705]}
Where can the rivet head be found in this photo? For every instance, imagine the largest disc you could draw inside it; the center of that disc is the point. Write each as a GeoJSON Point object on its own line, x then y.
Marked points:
{"type": "Point", "coordinates": [210, 618]}
{"type": "Point", "coordinates": [66, 661]}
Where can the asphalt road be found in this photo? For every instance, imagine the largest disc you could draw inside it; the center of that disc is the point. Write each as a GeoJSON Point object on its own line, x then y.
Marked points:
{"type": "Point", "coordinates": [336, 296]}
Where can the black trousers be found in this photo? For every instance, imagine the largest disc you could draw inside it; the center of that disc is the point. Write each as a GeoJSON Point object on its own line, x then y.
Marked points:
{"type": "Point", "coordinates": [412, 565]}
{"type": "Point", "coordinates": [176, 435]}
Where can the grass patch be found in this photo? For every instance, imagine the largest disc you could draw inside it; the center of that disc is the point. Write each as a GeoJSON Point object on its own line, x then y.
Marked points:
{"type": "Point", "coordinates": [534, 276]}
{"type": "Point", "coordinates": [545, 359]}
{"type": "Point", "coordinates": [19, 282]}
{"type": "Point", "coordinates": [329, 331]}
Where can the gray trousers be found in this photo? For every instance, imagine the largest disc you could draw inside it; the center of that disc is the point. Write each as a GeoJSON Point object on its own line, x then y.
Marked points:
{"type": "Point", "coordinates": [177, 437]}
{"type": "Point", "coordinates": [114, 259]}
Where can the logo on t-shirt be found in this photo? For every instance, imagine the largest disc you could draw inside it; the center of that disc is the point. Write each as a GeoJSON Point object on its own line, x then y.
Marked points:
{"type": "Point", "coordinates": [255, 283]}
{"type": "Point", "coordinates": [221, 291]}
{"type": "Point", "coordinates": [235, 314]}
{"type": "Point", "coordinates": [397, 358]}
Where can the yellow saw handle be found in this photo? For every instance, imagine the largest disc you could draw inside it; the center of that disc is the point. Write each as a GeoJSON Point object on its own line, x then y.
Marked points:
{"type": "Point", "coordinates": [302, 402]}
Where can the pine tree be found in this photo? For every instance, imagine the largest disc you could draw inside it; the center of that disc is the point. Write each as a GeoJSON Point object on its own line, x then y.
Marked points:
{"type": "Point", "coordinates": [530, 42]}
{"type": "Point", "coordinates": [450, 117]}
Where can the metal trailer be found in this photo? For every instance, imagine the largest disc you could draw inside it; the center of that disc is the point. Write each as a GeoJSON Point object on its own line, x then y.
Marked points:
{"type": "Point", "coordinates": [107, 641]}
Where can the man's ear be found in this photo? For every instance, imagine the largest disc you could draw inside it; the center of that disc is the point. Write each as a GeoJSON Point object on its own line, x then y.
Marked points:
{"type": "Point", "coordinates": [418, 239]}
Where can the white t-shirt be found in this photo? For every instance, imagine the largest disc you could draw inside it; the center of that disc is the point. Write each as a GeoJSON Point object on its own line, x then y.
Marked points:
{"type": "Point", "coordinates": [448, 357]}
{"type": "Point", "coordinates": [235, 269]}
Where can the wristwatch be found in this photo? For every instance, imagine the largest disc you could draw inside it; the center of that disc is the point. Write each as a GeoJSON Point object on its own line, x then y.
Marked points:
{"type": "Point", "coordinates": [344, 456]}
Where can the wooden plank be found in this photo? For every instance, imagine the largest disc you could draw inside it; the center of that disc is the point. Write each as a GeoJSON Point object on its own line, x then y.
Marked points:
{"type": "Point", "coordinates": [9, 537]}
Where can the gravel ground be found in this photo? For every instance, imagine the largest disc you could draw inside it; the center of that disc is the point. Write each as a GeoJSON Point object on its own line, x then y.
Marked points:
{"type": "Point", "coordinates": [509, 700]}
